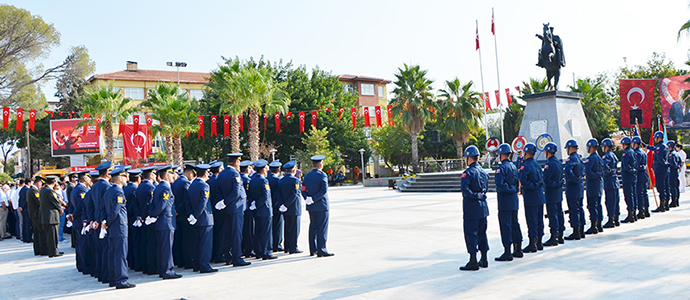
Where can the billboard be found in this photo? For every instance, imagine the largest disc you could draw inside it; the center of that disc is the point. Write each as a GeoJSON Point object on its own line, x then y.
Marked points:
{"type": "Point", "coordinates": [673, 107]}
{"type": "Point", "coordinates": [66, 139]}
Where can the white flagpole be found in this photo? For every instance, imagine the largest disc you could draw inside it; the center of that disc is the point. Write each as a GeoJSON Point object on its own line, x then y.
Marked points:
{"type": "Point", "coordinates": [497, 76]}
{"type": "Point", "coordinates": [481, 73]}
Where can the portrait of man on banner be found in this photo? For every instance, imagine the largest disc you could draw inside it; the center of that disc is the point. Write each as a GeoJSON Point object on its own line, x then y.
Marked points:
{"type": "Point", "coordinates": [674, 108]}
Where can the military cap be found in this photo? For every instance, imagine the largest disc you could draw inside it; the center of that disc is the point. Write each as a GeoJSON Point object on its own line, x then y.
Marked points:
{"type": "Point", "coordinates": [135, 171]}
{"type": "Point", "coordinates": [234, 154]}
{"type": "Point", "coordinates": [119, 170]}
{"type": "Point", "coordinates": [245, 163]}
{"type": "Point", "coordinates": [202, 166]}
{"type": "Point", "coordinates": [104, 166]}
{"type": "Point", "coordinates": [318, 157]}
{"type": "Point", "coordinates": [275, 164]}
{"type": "Point", "coordinates": [289, 165]}
{"type": "Point", "coordinates": [216, 164]}
{"type": "Point", "coordinates": [260, 163]}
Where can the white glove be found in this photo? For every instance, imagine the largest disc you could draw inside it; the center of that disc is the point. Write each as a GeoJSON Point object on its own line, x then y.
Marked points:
{"type": "Point", "coordinates": [137, 223]}
{"type": "Point", "coordinates": [103, 233]}
{"type": "Point", "coordinates": [310, 201]}
{"type": "Point", "coordinates": [150, 220]}
{"type": "Point", "coordinates": [84, 230]}
{"type": "Point", "coordinates": [69, 224]}
{"type": "Point", "coordinates": [192, 220]}
{"type": "Point", "coordinates": [220, 205]}
{"type": "Point", "coordinates": [253, 206]}
{"type": "Point", "coordinates": [282, 208]}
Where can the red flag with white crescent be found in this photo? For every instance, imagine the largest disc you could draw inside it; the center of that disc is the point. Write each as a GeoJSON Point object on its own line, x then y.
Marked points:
{"type": "Point", "coordinates": [5, 117]}
{"type": "Point", "coordinates": [276, 116]}
{"type": "Point", "coordinates": [487, 102]}
{"type": "Point", "coordinates": [377, 109]}
{"type": "Point", "coordinates": [313, 118]}
{"type": "Point", "coordinates": [149, 123]}
{"type": "Point", "coordinates": [637, 95]}
{"type": "Point", "coordinates": [85, 128]}
{"type": "Point", "coordinates": [301, 122]}
{"type": "Point", "coordinates": [98, 126]}
{"type": "Point", "coordinates": [240, 119]}
{"type": "Point", "coordinates": [121, 129]}
{"type": "Point", "coordinates": [340, 112]}
{"type": "Point", "coordinates": [353, 112]}
{"type": "Point", "coordinates": [136, 144]}
{"type": "Point", "coordinates": [20, 119]}
{"type": "Point", "coordinates": [497, 93]}
{"type": "Point", "coordinates": [32, 119]}
{"type": "Point", "coordinates": [518, 89]}
{"type": "Point", "coordinates": [366, 116]}
{"type": "Point", "coordinates": [214, 125]}
{"type": "Point", "coordinates": [71, 113]}
{"type": "Point", "coordinates": [510, 99]}
{"type": "Point", "coordinates": [288, 115]}
{"type": "Point", "coordinates": [135, 122]}
{"type": "Point", "coordinates": [201, 128]}
{"type": "Point", "coordinates": [226, 124]}
{"type": "Point", "coordinates": [391, 122]}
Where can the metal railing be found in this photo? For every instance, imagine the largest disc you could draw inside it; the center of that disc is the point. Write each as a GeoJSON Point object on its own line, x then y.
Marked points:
{"type": "Point", "coordinates": [441, 165]}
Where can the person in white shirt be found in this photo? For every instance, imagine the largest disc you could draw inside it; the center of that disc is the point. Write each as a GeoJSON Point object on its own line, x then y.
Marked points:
{"type": "Point", "coordinates": [681, 174]}
{"type": "Point", "coordinates": [4, 210]}
{"type": "Point", "coordinates": [15, 203]}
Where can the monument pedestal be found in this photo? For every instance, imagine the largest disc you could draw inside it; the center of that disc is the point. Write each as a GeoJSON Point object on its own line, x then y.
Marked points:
{"type": "Point", "coordinates": [559, 114]}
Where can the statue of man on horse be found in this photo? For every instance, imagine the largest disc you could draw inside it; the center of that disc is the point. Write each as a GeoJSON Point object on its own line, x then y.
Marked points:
{"type": "Point", "coordinates": [551, 56]}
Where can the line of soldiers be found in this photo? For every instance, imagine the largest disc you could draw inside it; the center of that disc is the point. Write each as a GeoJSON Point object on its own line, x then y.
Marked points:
{"type": "Point", "coordinates": [191, 217]}
{"type": "Point", "coordinates": [540, 187]}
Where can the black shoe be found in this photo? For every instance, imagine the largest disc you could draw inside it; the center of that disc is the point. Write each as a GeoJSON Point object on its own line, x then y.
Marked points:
{"type": "Point", "coordinates": [271, 257]}
{"type": "Point", "coordinates": [483, 262]}
{"type": "Point", "coordinates": [126, 286]}
{"type": "Point", "coordinates": [630, 218]}
{"type": "Point", "coordinates": [506, 256]}
{"type": "Point", "coordinates": [540, 246]}
{"type": "Point", "coordinates": [646, 212]}
{"type": "Point", "coordinates": [615, 221]}
{"type": "Point", "coordinates": [560, 237]}
{"type": "Point", "coordinates": [112, 284]}
{"type": "Point", "coordinates": [599, 227]}
{"type": "Point", "coordinates": [325, 254]}
{"type": "Point", "coordinates": [532, 247]}
{"type": "Point", "coordinates": [674, 203]}
{"type": "Point", "coordinates": [241, 264]}
{"type": "Point", "coordinates": [173, 276]}
{"type": "Point", "coordinates": [278, 249]}
{"type": "Point", "coordinates": [312, 254]}
{"type": "Point", "coordinates": [592, 229]}
{"type": "Point", "coordinates": [640, 215]}
{"type": "Point", "coordinates": [610, 223]}
{"type": "Point", "coordinates": [472, 265]}
{"type": "Point", "coordinates": [662, 206]}
{"type": "Point", "coordinates": [208, 271]}
{"type": "Point", "coordinates": [296, 252]}
{"type": "Point", "coordinates": [553, 241]}
{"type": "Point", "coordinates": [58, 255]}
{"type": "Point", "coordinates": [575, 235]}
{"type": "Point", "coordinates": [582, 231]}
{"type": "Point", "coordinates": [517, 250]}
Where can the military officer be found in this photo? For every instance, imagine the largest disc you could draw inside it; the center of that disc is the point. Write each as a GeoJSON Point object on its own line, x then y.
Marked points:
{"type": "Point", "coordinates": [27, 224]}
{"type": "Point", "coordinates": [183, 232]}
{"type": "Point", "coordinates": [34, 204]}
{"type": "Point", "coordinates": [163, 211]}
{"type": "Point", "coordinates": [260, 194]}
{"type": "Point", "coordinates": [233, 203]}
{"type": "Point", "coordinates": [273, 177]}
{"type": "Point", "coordinates": [641, 196]}
{"type": "Point", "coordinates": [674, 165]}
{"type": "Point", "coordinates": [532, 182]}
{"type": "Point", "coordinates": [133, 232]}
{"type": "Point", "coordinates": [49, 215]}
{"type": "Point", "coordinates": [474, 184]}
{"type": "Point", "coordinates": [97, 191]}
{"type": "Point", "coordinates": [79, 220]}
{"type": "Point", "coordinates": [115, 203]}
{"type": "Point", "coordinates": [611, 184]}
{"type": "Point", "coordinates": [147, 246]}
{"type": "Point", "coordinates": [93, 256]}
{"type": "Point", "coordinates": [594, 174]}
{"type": "Point", "coordinates": [248, 240]}
{"type": "Point", "coordinates": [315, 191]}
{"type": "Point", "coordinates": [660, 169]}
{"type": "Point", "coordinates": [506, 180]}
{"type": "Point", "coordinates": [629, 176]}
{"type": "Point", "coordinates": [201, 220]}
{"type": "Point", "coordinates": [574, 190]}
{"type": "Point", "coordinates": [553, 194]}
{"type": "Point", "coordinates": [291, 206]}
{"type": "Point", "coordinates": [215, 196]}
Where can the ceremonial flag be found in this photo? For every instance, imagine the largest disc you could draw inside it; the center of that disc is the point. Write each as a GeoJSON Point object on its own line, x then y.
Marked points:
{"type": "Point", "coordinates": [340, 113]}
{"type": "Point", "coordinates": [149, 123]}
{"type": "Point", "coordinates": [226, 125]}
{"type": "Point", "coordinates": [493, 27]}
{"type": "Point", "coordinates": [214, 125]}
{"type": "Point", "coordinates": [135, 122]}
{"type": "Point", "coordinates": [277, 117]}
{"type": "Point", "coordinates": [498, 98]}
{"type": "Point", "coordinates": [71, 114]}
{"type": "Point", "coordinates": [377, 109]}
{"type": "Point", "coordinates": [477, 39]}
{"type": "Point", "coordinates": [240, 119]}
{"type": "Point", "coordinates": [98, 125]}
{"type": "Point", "coordinates": [366, 116]}
{"type": "Point", "coordinates": [121, 129]}
{"type": "Point", "coordinates": [510, 99]}
{"type": "Point", "coordinates": [288, 115]}
{"type": "Point", "coordinates": [32, 119]}
{"type": "Point", "coordinates": [636, 100]}
{"type": "Point", "coordinates": [5, 117]}
{"type": "Point", "coordinates": [201, 128]}
{"type": "Point", "coordinates": [518, 89]}
{"type": "Point", "coordinates": [135, 144]}
{"type": "Point", "coordinates": [487, 102]}
{"type": "Point", "coordinates": [20, 119]}
{"type": "Point", "coordinates": [301, 122]}
{"type": "Point", "coordinates": [85, 128]}
{"type": "Point", "coordinates": [391, 122]}
{"type": "Point", "coordinates": [353, 112]}
{"type": "Point", "coordinates": [265, 119]}
{"type": "Point", "coordinates": [313, 118]}
{"type": "Point", "coordinates": [50, 112]}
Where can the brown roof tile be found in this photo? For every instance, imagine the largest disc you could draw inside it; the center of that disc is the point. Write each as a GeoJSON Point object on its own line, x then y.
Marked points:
{"type": "Point", "coordinates": [347, 77]}
{"type": "Point", "coordinates": [154, 75]}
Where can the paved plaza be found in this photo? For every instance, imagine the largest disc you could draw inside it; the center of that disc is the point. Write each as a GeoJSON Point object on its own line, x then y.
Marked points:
{"type": "Point", "coordinates": [392, 245]}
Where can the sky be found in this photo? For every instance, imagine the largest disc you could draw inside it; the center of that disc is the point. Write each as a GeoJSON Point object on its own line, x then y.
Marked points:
{"type": "Point", "coordinates": [370, 38]}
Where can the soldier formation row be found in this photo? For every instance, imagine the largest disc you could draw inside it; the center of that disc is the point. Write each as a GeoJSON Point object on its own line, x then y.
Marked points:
{"type": "Point", "coordinates": [541, 187]}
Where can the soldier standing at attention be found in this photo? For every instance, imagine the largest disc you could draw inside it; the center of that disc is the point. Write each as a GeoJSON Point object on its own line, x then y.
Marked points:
{"type": "Point", "coordinates": [183, 231]}
{"type": "Point", "coordinates": [49, 215]}
{"type": "Point", "coordinates": [260, 193]}
{"type": "Point", "coordinates": [629, 175]}
{"type": "Point", "coordinates": [133, 233]}
{"type": "Point", "coordinates": [34, 204]}
{"type": "Point", "coordinates": [594, 172]}
{"type": "Point", "coordinates": [162, 213]}
{"type": "Point", "coordinates": [273, 178]}
{"type": "Point", "coordinates": [574, 190]}
{"type": "Point", "coordinates": [315, 191]}
{"type": "Point", "coordinates": [233, 203]}
{"type": "Point", "coordinates": [146, 247]}
{"type": "Point", "coordinates": [78, 217]}
{"type": "Point", "coordinates": [116, 210]}
{"type": "Point", "coordinates": [674, 164]}
{"type": "Point", "coordinates": [201, 219]}
{"type": "Point", "coordinates": [611, 184]}
{"type": "Point", "coordinates": [641, 196]}
{"type": "Point", "coordinates": [291, 207]}
{"type": "Point", "coordinates": [215, 196]}
{"type": "Point", "coordinates": [660, 169]}
{"type": "Point", "coordinates": [97, 191]}
{"type": "Point", "coordinates": [248, 227]}
{"type": "Point", "coordinates": [474, 185]}
{"type": "Point", "coordinates": [506, 180]}
{"type": "Point", "coordinates": [553, 194]}
{"type": "Point", "coordinates": [532, 182]}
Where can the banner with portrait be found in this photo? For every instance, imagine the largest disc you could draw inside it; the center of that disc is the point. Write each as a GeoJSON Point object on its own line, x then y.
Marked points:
{"type": "Point", "coordinates": [66, 139]}
{"type": "Point", "coordinates": [673, 106]}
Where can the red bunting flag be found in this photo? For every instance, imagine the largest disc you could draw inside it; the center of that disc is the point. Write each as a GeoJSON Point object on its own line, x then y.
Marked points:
{"type": "Point", "coordinates": [391, 122]}
{"type": "Point", "coordinates": [71, 113]}
{"type": "Point", "coordinates": [135, 122]}
{"type": "Point", "coordinates": [187, 134]}
{"type": "Point", "coordinates": [5, 117]}
{"type": "Point", "coordinates": [498, 98]}
{"type": "Point", "coordinates": [301, 122]}
{"type": "Point", "coordinates": [20, 119]}
{"type": "Point", "coordinates": [249, 119]}
{"type": "Point", "coordinates": [201, 128]}
{"type": "Point", "coordinates": [340, 113]}
{"type": "Point", "coordinates": [265, 118]}
{"type": "Point", "coordinates": [518, 89]}
{"type": "Point", "coordinates": [288, 115]}
{"type": "Point", "coordinates": [366, 116]}
{"type": "Point", "coordinates": [85, 128]}
{"type": "Point", "coordinates": [121, 129]}
{"type": "Point", "coordinates": [276, 116]}
{"type": "Point", "coordinates": [313, 118]}
{"type": "Point", "coordinates": [226, 124]}
{"type": "Point", "coordinates": [149, 123]}
{"type": "Point", "coordinates": [377, 109]}
{"type": "Point", "coordinates": [98, 126]}
{"type": "Point", "coordinates": [50, 112]}
{"type": "Point", "coordinates": [510, 99]}
{"type": "Point", "coordinates": [487, 101]}
{"type": "Point", "coordinates": [60, 113]}
{"type": "Point", "coordinates": [353, 112]}
{"type": "Point", "coordinates": [214, 125]}
{"type": "Point", "coordinates": [240, 119]}
{"type": "Point", "coordinates": [32, 119]}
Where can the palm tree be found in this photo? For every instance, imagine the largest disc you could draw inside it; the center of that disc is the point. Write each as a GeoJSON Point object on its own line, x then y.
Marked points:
{"type": "Point", "coordinates": [596, 106]}
{"type": "Point", "coordinates": [413, 101]}
{"type": "Point", "coordinates": [534, 86]}
{"type": "Point", "coordinates": [111, 106]}
{"type": "Point", "coordinates": [462, 109]}
{"type": "Point", "coordinates": [223, 84]}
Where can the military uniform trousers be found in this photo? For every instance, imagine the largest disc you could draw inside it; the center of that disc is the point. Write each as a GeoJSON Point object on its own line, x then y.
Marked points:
{"type": "Point", "coordinates": [509, 226]}
{"type": "Point", "coordinates": [105, 258]}
{"type": "Point", "coordinates": [263, 236]}
{"type": "Point", "coordinates": [151, 265]}
{"type": "Point", "coordinates": [202, 248]}
{"type": "Point", "coordinates": [93, 253]}
{"type": "Point", "coordinates": [248, 234]}
{"type": "Point", "coordinates": [630, 192]}
{"type": "Point", "coordinates": [27, 227]}
{"type": "Point", "coordinates": [182, 255]}
{"type": "Point", "coordinates": [232, 237]}
{"type": "Point", "coordinates": [554, 211]}
{"type": "Point", "coordinates": [595, 209]}
{"type": "Point", "coordinates": [535, 220]}
{"type": "Point", "coordinates": [218, 238]}
{"type": "Point", "coordinates": [80, 251]}
{"type": "Point", "coordinates": [612, 202]}
{"type": "Point", "coordinates": [641, 197]}
{"type": "Point", "coordinates": [660, 173]}
{"type": "Point", "coordinates": [292, 224]}
{"type": "Point", "coordinates": [673, 184]}
{"type": "Point", "coordinates": [318, 232]}
{"type": "Point", "coordinates": [138, 248]}
{"type": "Point", "coordinates": [576, 212]}
{"type": "Point", "coordinates": [131, 257]}
{"type": "Point", "coordinates": [475, 235]}
{"type": "Point", "coordinates": [50, 232]}
{"type": "Point", "coordinates": [277, 230]}
{"type": "Point", "coordinates": [165, 259]}
{"type": "Point", "coordinates": [118, 260]}
{"type": "Point", "coordinates": [39, 238]}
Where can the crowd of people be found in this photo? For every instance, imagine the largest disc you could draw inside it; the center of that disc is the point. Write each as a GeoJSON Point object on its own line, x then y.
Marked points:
{"type": "Point", "coordinates": [544, 187]}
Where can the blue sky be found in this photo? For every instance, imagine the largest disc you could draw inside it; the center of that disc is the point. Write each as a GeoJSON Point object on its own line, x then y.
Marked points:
{"type": "Point", "coordinates": [370, 38]}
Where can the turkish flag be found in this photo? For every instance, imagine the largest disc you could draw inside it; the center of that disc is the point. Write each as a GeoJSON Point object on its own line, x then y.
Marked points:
{"type": "Point", "coordinates": [71, 114]}
{"type": "Point", "coordinates": [240, 119]}
{"type": "Point", "coordinates": [98, 126]}
{"type": "Point", "coordinates": [353, 112]}
{"type": "Point", "coordinates": [226, 124]}
{"type": "Point", "coordinates": [288, 115]}
{"type": "Point", "coordinates": [136, 144]}
{"type": "Point", "coordinates": [391, 122]}
{"type": "Point", "coordinates": [637, 96]}
{"type": "Point", "coordinates": [149, 123]}
{"type": "Point", "coordinates": [32, 119]}
{"type": "Point", "coordinates": [498, 98]}
{"type": "Point", "coordinates": [510, 100]}
{"type": "Point", "coordinates": [277, 117]}
{"type": "Point", "coordinates": [366, 116]}
{"type": "Point", "coordinates": [201, 127]}
{"type": "Point", "coordinates": [477, 38]}
{"type": "Point", "coordinates": [265, 118]}
{"type": "Point", "coordinates": [313, 118]}
{"type": "Point", "coordinates": [20, 119]}
{"type": "Point", "coordinates": [493, 27]}
{"type": "Point", "coordinates": [85, 128]}
{"type": "Point", "coordinates": [340, 113]}
{"type": "Point", "coordinates": [214, 125]}
{"type": "Point", "coordinates": [487, 102]}
{"type": "Point", "coordinates": [135, 122]}
{"type": "Point", "coordinates": [60, 113]}
{"type": "Point", "coordinates": [378, 116]}
{"type": "Point", "coordinates": [5, 117]}
{"type": "Point", "coordinates": [301, 122]}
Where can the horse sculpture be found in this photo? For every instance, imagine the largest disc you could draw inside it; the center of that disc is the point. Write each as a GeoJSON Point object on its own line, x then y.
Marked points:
{"type": "Point", "coordinates": [551, 56]}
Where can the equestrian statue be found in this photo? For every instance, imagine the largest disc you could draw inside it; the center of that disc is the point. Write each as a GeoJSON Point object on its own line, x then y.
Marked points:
{"type": "Point", "coordinates": [551, 56]}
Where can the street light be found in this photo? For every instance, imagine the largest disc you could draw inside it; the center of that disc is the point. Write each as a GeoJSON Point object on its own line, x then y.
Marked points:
{"type": "Point", "coordinates": [273, 153]}
{"type": "Point", "coordinates": [177, 64]}
{"type": "Point", "coordinates": [361, 152]}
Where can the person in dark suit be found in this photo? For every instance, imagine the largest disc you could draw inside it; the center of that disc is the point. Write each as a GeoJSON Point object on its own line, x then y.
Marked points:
{"type": "Point", "coordinates": [629, 171]}
{"type": "Point", "coordinates": [79, 220]}
{"type": "Point", "coordinates": [116, 224]}
{"type": "Point", "coordinates": [97, 191]}
{"type": "Point", "coordinates": [315, 191]}
{"type": "Point", "coordinates": [248, 226]}
{"type": "Point", "coordinates": [273, 178]}
{"type": "Point", "coordinates": [34, 204]}
{"type": "Point", "coordinates": [291, 206]}
{"type": "Point", "coordinates": [215, 196]}
{"type": "Point", "coordinates": [474, 184]}
{"type": "Point", "coordinates": [532, 182]}
{"type": "Point", "coordinates": [594, 174]}
{"type": "Point", "coordinates": [507, 183]}
{"type": "Point", "coordinates": [611, 184]}
{"type": "Point", "coordinates": [147, 245]}
{"type": "Point", "coordinates": [163, 212]}
{"type": "Point", "coordinates": [201, 220]}
{"type": "Point", "coordinates": [574, 190]}
{"type": "Point", "coordinates": [260, 194]}
{"type": "Point", "coordinates": [233, 203]}
{"type": "Point", "coordinates": [553, 194]}
{"type": "Point", "coordinates": [49, 214]}
{"type": "Point", "coordinates": [133, 233]}
{"type": "Point", "coordinates": [183, 232]}
{"type": "Point", "coordinates": [27, 223]}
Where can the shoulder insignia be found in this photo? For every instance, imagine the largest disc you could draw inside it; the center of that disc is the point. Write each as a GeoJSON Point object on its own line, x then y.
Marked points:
{"type": "Point", "coordinates": [463, 175]}
{"type": "Point", "coordinates": [297, 186]}
{"type": "Point", "coordinates": [82, 195]}
{"type": "Point", "coordinates": [55, 195]}
{"type": "Point", "coordinates": [522, 167]}
{"type": "Point", "coordinates": [187, 187]}
{"type": "Point", "coordinates": [268, 187]}
{"type": "Point", "coordinates": [151, 193]}
{"type": "Point", "coordinates": [166, 196]}
{"type": "Point", "coordinates": [119, 199]}
{"type": "Point", "coordinates": [239, 179]}
{"type": "Point", "coordinates": [546, 167]}
{"type": "Point", "coordinates": [206, 194]}
{"type": "Point", "coordinates": [36, 195]}
{"type": "Point", "coordinates": [498, 171]}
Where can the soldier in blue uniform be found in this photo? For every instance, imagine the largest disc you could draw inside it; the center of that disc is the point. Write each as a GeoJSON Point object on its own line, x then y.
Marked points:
{"type": "Point", "coordinates": [506, 180]}
{"type": "Point", "coordinates": [97, 191]}
{"type": "Point", "coordinates": [660, 166]}
{"type": "Point", "coordinates": [79, 220]}
{"type": "Point", "coordinates": [162, 213]}
{"type": "Point", "coordinates": [273, 178]}
{"type": "Point", "coordinates": [291, 206]}
{"type": "Point", "coordinates": [215, 196]}
{"type": "Point", "coordinates": [553, 194]}
{"type": "Point", "coordinates": [183, 231]}
{"type": "Point", "coordinates": [315, 191]}
{"type": "Point", "coordinates": [641, 196]}
{"type": "Point", "coordinates": [145, 247]}
{"type": "Point", "coordinates": [248, 227]}
{"type": "Point", "coordinates": [233, 204]}
{"type": "Point", "coordinates": [201, 219]}
{"type": "Point", "coordinates": [474, 184]}
{"type": "Point", "coordinates": [260, 194]}
{"type": "Point", "coordinates": [594, 174]}
{"type": "Point", "coordinates": [611, 184]}
{"type": "Point", "coordinates": [629, 171]}
{"type": "Point", "coordinates": [134, 233]}
{"type": "Point", "coordinates": [532, 182]}
{"type": "Point", "coordinates": [574, 190]}
{"type": "Point", "coordinates": [674, 165]}
{"type": "Point", "coordinates": [115, 203]}
{"type": "Point", "coordinates": [92, 256]}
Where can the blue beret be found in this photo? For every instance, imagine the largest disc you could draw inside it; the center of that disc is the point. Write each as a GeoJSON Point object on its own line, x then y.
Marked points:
{"type": "Point", "coordinates": [119, 169]}
{"type": "Point", "coordinates": [275, 164]}
{"type": "Point", "coordinates": [93, 173]}
{"type": "Point", "coordinates": [234, 154]}
{"type": "Point", "coordinates": [134, 171]}
{"type": "Point", "coordinates": [318, 157]}
{"type": "Point", "coordinates": [104, 166]}
{"type": "Point", "coordinates": [290, 164]}
{"type": "Point", "coordinates": [202, 166]}
{"type": "Point", "coordinates": [216, 164]}
{"type": "Point", "coordinates": [245, 163]}
{"type": "Point", "coordinates": [260, 163]}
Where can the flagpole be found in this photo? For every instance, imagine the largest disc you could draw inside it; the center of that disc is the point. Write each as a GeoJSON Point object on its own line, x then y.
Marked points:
{"type": "Point", "coordinates": [497, 76]}
{"type": "Point", "coordinates": [481, 73]}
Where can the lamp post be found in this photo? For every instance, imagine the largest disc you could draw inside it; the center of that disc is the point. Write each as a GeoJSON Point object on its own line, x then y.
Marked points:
{"type": "Point", "coordinates": [177, 64]}
{"type": "Point", "coordinates": [273, 153]}
{"type": "Point", "coordinates": [361, 153]}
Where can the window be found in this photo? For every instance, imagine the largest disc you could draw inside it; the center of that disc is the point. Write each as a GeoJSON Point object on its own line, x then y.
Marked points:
{"type": "Point", "coordinates": [134, 93]}
{"type": "Point", "coordinates": [197, 94]}
{"type": "Point", "coordinates": [182, 92]}
{"type": "Point", "coordinates": [347, 87]}
{"type": "Point", "coordinates": [367, 89]}
{"type": "Point", "coordinates": [381, 91]}
{"type": "Point", "coordinates": [117, 142]}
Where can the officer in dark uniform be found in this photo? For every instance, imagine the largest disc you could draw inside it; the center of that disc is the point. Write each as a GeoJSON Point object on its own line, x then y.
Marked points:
{"type": "Point", "coordinates": [216, 196]}
{"type": "Point", "coordinates": [248, 227]}
{"type": "Point", "coordinates": [93, 256]}
{"type": "Point", "coordinates": [594, 174]}
{"type": "Point", "coordinates": [553, 194]}
{"type": "Point", "coordinates": [163, 211]}
{"type": "Point", "coordinates": [34, 205]}
{"type": "Point", "coordinates": [49, 215]}
{"type": "Point", "coordinates": [146, 248]}
{"type": "Point", "coordinates": [315, 191]}
{"type": "Point", "coordinates": [133, 233]}
{"type": "Point", "coordinates": [79, 220]}
{"type": "Point", "coordinates": [183, 232]}
{"type": "Point", "coordinates": [660, 169]}
{"type": "Point", "coordinates": [97, 192]}
{"type": "Point", "coordinates": [532, 182]}
{"type": "Point", "coordinates": [27, 224]}
{"type": "Point", "coordinates": [201, 216]}
{"type": "Point", "coordinates": [273, 177]}
{"type": "Point", "coordinates": [474, 184]}
{"type": "Point", "coordinates": [574, 190]}
{"type": "Point", "coordinates": [506, 180]}
{"type": "Point", "coordinates": [260, 194]}
{"type": "Point", "coordinates": [233, 202]}
{"type": "Point", "coordinates": [674, 165]}
{"type": "Point", "coordinates": [291, 206]}
{"type": "Point", "coordinates": [116, 210]}
{"type": "Point", "coordinates": [629, 171]}
{"type": "Point", "coordinates": [611, 184]}
{"type": "Point", "coordinates": [641, 196]}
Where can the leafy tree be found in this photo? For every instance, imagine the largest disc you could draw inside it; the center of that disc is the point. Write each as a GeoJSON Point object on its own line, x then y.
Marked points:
{"type": "Point", "coordinates": [461, 111]}
{"type": "Point", "coordinates": [512, 120]}
{"type": "Point", "coordinates": [5, 178]}
{"type": "Point", "coordinates": [40, 144]}
{"type": "Point", "coordinates": [316, 142]}
{"type": "Point", "coordinates": [534, 86]}
{"type": "Point", "coordinates": [70, 84]}
{"type": "Point", "coordinates": [223, 92]}
{"type": "Point", "coordinates": [8, 140]}
{"type": "Point", "coordinates": [9, 167]}
{"type": "Point", "coordinates": [389, 143]}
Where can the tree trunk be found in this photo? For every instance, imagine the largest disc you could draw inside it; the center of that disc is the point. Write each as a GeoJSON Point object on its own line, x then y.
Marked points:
{"type": "Point", "coordinates": [415, 151]}
{"type": "Point", "coordinates": [168, 149]}
{"type": "Point", "coordinates": [235, 134]}
{"type": "Point", "coordinates": [109, 143]}
{"type": "Point", "coordinates": [458, 149]}
{"type": "Point", "coordinates": [254, 135]}
{"type": "Point", "coordinates": [178, 149]}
